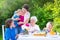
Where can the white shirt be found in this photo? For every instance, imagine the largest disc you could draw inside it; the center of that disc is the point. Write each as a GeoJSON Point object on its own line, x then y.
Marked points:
{"type": "Point", "coordinates": [26, 16]}
{"type": "Point", "coordinates": [31, 29]}
{"type": "Point", "coordinates": [34, 28]}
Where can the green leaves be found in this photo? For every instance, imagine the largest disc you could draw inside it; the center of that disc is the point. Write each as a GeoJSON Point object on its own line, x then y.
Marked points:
{"type": "Point", "coordinates": [44, 10]}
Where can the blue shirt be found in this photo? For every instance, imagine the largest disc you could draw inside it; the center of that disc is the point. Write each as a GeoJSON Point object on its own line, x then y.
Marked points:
{"type": "Point", "coordinates": [10, 33]}
{"type": "Point", "coordinates": [15, 21]}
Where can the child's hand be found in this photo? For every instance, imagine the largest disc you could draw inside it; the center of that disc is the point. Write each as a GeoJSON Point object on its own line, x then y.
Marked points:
{"type": "Point", "coordinates": [17, 18]}
{"type": "Point", "coordinates": [20, 22]}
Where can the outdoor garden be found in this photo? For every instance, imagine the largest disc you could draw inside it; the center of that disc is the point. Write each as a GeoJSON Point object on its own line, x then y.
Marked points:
{"type": "Point", "coordinates": [44, 10]}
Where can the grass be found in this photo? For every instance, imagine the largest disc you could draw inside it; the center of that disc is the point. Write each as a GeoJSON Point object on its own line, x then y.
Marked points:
{"type": "Point", "coordinates": [0, 37]}
{"type": "Point", "coordinates": [0, 34]}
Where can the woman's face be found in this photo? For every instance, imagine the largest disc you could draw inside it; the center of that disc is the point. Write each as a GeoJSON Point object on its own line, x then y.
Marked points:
{"type": "Point", "coordinates": [32, 21]}
{"type": "Point", "coordinates": [24, 10]}
{"type": "Point", "coordinates": [12, 24]}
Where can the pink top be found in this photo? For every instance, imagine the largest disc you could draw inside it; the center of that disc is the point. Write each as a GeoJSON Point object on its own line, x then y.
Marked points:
{"type": "Point", "coordinates": [27, 24]}
{"type": "Point", "coordinates": [21, 19]}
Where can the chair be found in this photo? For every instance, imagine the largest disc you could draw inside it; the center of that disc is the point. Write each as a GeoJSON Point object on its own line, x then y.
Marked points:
{"type": "Point", "coordinates": [3, 32]}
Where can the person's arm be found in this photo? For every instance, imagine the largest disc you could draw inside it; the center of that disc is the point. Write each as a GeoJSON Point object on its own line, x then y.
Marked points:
{"type": "Point", "coordinates": [14, 17]}
{"type": "Point", "coordinates": [26, 21]}
{"type": "Point", "coordinates": [28, 17]}
{"type": "Point", "coordinates": [20, 22]}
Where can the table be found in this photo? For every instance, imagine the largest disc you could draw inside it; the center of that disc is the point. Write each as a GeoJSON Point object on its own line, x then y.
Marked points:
{"type": "Point", "coordinates": [29, 37]}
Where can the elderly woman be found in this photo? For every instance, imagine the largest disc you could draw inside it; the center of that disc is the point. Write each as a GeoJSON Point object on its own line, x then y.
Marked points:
{"type": "Point", "coordinates": [32, 27]}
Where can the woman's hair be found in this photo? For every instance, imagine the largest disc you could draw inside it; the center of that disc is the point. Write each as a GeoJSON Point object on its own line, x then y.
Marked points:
{"type": "Point", "coordinates": [8, 23]}
{"type": "Point", "coordinates": [26, 7]}
{"type": "Point", "coordinates": [34, 18]}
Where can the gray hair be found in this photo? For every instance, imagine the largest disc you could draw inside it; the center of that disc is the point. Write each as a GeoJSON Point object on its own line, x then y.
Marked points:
{"type": "Point", "coordinates": [34, 18]}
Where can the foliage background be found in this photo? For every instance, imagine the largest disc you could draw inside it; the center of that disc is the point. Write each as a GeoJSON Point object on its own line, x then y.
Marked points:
{"type": "Point", "coordinates": [45, 10]}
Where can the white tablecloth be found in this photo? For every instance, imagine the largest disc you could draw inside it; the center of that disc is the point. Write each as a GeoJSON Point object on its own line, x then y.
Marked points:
{"type": "Point", "coordinates": [27, 37]}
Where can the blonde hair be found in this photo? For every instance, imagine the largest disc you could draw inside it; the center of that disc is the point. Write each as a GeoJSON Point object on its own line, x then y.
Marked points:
{"type": "Point", "coordinates": [18, 10]}
{"type": "Point", "coordinates": [47, 25]}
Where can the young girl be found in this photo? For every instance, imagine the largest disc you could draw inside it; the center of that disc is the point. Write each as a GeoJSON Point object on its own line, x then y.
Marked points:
{"type": "Point", "coordinates": [21, 17]}
{"type": "Point", "coordinates": [49, 28]}
{"type": "Point", "coordinates": [21, 21]}
{"type": "Point", "coordinates": [18, 19]}
{"type": "Point", "coordinates": [10, 31]}
{"type": "Point", "coordinates": [15, 17]}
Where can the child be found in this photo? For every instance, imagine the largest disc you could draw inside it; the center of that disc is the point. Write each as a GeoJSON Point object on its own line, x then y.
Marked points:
{"type": "Point", "coordinates": [18, 20]}
{"type": "Point", "coordinates": [16, 17]}
{"type": "Point", "coordinates": [32, 27]}
{"type": "Point", "coordinates": [49, 28]}
{"type": "Point", "coordinates": [21, 17]}
{"type": "Point", "coordinates": [21, 21]}
{"type": "Point", "coordinates": [10, 31]}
